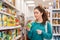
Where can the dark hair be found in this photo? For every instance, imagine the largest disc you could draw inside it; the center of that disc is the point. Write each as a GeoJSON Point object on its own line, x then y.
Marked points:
{"type": "Point", "coordinates": [44, 15]}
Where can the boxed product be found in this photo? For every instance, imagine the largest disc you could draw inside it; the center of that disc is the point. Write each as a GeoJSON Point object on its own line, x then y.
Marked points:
{"type": "Point", "coordinates": [13, 12]}
{"type": "Point", "coordinates": [1, 36]}
{"type": "Point", "coordinates": [13, 34]}
{"type": "Point", "coordinates": [17, 21]}
{"type": "Point", "coordinates": [11, 21]}
{"type": "Point", "coordinates": [4, 17]}
{"type": "Point", "coordinates": [13, 2]}
{"type": "Point", "coordinates": [4, 9]}
{"type": "Point", "coordinates": [0, 5]}
{"type": "Point", "coordinates": [18, 31]}
{"type": "Point", "coordinates": [53, 21]}
{"type": "Point", "coordinates": [53, 15]}
{"type": "Point", "coordinates": [0, 17]}
{"type": "Point", "coordinates": [57, 6]}
{"type": "Point", "coordinates": [10, 1]}
{"type": "Point", "coordinates": [9, 10]}
{"type": "Point", "coordinates": [56, 21]}
{"type": "Point", "coordinates": [56, 15]}
{"type": "Point", "coordinates": [8, 22]}
{"type": "Point", "coordinates": [0, 21]}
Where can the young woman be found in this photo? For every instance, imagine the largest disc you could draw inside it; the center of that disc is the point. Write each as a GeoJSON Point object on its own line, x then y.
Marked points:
{"type": "Point", "coordinates": [37, 31]}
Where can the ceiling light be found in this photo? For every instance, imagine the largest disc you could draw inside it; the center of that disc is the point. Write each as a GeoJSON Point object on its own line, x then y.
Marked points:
{"type": "Point", "coordinates": [29, 1]}
{"type": "Point", "coordinates": [43, 0]}
{"type": "Point", "coordinates": [31, 5]}
{"type": "Point", "coordinates": [50, 3]}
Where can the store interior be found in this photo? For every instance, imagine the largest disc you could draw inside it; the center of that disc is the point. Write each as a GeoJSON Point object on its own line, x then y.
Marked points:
{"type": "Point", "coordinates": [14, 15]}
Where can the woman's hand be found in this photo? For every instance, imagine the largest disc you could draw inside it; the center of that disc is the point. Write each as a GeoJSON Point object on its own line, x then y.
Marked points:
{"type": "Point", "coordinates": [27, 28]}
{"type": "Point", "coordinates": [39, 31]}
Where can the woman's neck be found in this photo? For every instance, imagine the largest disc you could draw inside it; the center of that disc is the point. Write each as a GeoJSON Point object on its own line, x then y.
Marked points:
{"type": "Point", "coordinates": [40, 20]}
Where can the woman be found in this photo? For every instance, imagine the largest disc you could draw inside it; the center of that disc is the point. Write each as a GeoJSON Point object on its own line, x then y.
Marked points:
{"type": "Point", "coordinates": [37, 31]}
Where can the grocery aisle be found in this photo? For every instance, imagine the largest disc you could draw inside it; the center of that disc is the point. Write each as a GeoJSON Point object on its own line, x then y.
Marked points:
{"type": "Point", "coordinates": [14, 15]}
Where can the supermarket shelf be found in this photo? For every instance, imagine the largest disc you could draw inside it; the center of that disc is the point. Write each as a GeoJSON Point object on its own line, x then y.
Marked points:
{"type": "Point", "coordinates": [55, 18]}
{"type": "Point", "coordinates": [56, 34]}
{"type": "Point", "coordinates": [19, 36]}
{"type": "Point", "coordinates": [6, 28]}
{"type": "Point", "coordinates": [56, 25]}
{"type": "Point", "coordinates": [1, 12]}
{"type": "Point", "coordinates": [11, 5]}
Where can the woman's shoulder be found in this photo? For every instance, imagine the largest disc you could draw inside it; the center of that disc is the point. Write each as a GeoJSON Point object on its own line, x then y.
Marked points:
{"type": "Point", "coordinates": [33, 22]}
{"type": "Point", "coordinates": [49, 23]}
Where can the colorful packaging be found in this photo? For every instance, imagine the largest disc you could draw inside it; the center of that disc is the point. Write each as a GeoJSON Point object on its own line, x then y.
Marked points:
{"type": "Point", "coordinates": [4, 19]}
{"type": "Point", "coordinates": [18, 31]}
{"type": "Point", "coordinates": [29, 25]}
{"type": "Point", "coordinates": [0, 17]}
{"type": "Point", "coordinates": [0, 21]}
{"type": "Point", "coordinates": [9, 11]}
{"type": "Point", "coordinates": [10, 1]}
{"type": "Point", "coordinates": [13, 2]}
{"type": "Point", "coordinates": [0, 5]}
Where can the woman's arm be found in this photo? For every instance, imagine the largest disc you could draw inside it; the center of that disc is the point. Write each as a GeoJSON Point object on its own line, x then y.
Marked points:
{"type": "Point", "coordinates": [48, 34]}
{"type": "Point", "coordinates": [29, 32]}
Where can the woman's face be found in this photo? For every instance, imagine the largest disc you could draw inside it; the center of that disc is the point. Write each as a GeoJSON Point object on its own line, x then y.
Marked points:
{"type": "Point", "coordinates": [37, 13]}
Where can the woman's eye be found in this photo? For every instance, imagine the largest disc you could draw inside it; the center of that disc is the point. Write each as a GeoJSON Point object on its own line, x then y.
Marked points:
{"type": "Point", "coordinates": [35, 12]}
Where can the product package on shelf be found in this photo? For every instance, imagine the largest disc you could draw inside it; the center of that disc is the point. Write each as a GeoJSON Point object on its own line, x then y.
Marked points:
{"type": "Point", "coordinates": [56, 29]}
{"type": "Point", "coordinates": [8, 35]}
{"type": "Point", "coordinates": [18, 31]}
{"type": "Point", "coordinates": [9, 10]}
{"type": "Point", "coordinates": [14, 34]}
{"type": "Point", "coordinates": [55, 21]}
{"type": "Point", "coordinates": [11, 1]}
{"type": "Point", "coordinates": [56, 4]}
{"type": "Point", "coordinates": [4, 7]}
{"type": "Point", "coordinates": [59, 21]}
{"type": "Point", "coordinates": [17, 21]}
{"type": "Point", "coordinates": [1, 36]}
{"type": "Point", "coordinates": [59, 3]}
{"type": "Point", "coordinates": [13, 12]}
{"type": "Point", "coordinates": [55, 15]}
{"type": "Point", "coordinates": [0, 21]}
{"type": "Point", "coordinates": [11, 21]}
{"type": "Point", "coordinates": [58, 15]}
{"type": "Point", "coordinates": [56, 38]}
{"type": "Point", "coordinates": [4, 19]}
{"type": "Point", "coordinates": [0, 5]}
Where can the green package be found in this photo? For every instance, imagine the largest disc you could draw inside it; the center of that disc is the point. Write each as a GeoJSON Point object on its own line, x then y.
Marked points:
{"type": "Point", "coordinates": [29, 25]}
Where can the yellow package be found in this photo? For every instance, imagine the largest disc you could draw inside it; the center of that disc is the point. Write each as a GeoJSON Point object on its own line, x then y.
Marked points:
{"type": "Point", "coordinates": [0, 5]}
{"type": "Point", "coordinates": [4, 18]}
{"type": "Point", "coordinates": [13, 2]}
{"type": "Point", "coordinates": [0, 21]}
{"type": "Point", "coordinates": [5, 23]}
{"type": "Point", "coordinates": [0, 17]}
